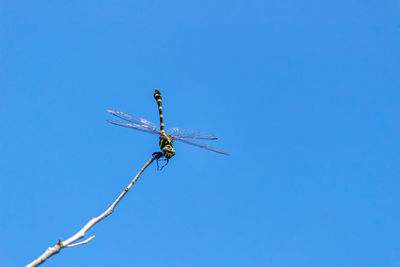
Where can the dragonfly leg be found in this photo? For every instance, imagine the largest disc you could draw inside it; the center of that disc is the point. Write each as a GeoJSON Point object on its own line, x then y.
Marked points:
{"type": "Point", "coordinates": [157, 156]}
{"type": "Point", "coordinates": [166, 162]}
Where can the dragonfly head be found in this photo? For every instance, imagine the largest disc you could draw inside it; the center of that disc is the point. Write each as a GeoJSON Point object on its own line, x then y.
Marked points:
{"type": "Point", "coordinates": [168, 152]}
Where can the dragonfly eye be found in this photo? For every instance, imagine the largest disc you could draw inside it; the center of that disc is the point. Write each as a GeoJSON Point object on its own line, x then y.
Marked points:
{"type": "Point", "coordinates": [168, 152]}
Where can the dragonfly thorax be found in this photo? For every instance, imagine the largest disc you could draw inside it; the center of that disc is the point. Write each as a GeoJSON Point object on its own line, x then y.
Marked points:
{"type": "Point", "coordinates": [167, 146]}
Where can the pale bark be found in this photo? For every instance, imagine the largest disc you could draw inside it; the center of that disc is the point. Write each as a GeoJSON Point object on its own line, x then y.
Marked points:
{"type": "Point", "coordinates": [70, 242]}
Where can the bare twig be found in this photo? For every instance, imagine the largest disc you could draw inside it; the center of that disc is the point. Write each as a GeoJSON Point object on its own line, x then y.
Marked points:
{"type": "Point", "coordinates": [70, 242]}
{"type": "Point", "coordinates": [81, 243]}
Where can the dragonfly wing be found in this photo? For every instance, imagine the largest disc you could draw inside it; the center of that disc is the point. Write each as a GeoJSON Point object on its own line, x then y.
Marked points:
{"type": "Point", "coordinates": [131, 118]}
{"type": "Point", "coordinates": [190, 134]}
{"type": "Point", "coordinates": [140, 127]}
{"type": "Point", "coordinates": [204, 146]}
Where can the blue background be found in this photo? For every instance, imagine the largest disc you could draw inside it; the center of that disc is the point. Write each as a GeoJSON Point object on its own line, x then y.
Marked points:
{"type": "Point", "coordinates": [305, 95]}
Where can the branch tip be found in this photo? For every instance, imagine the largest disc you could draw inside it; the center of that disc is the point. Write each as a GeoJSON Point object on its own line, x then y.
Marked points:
{"type": "Point", "coordinates": [81, 243]}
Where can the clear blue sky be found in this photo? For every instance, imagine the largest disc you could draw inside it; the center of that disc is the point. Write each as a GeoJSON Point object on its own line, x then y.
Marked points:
{"type": "Point", "coordinates": [305, 95]}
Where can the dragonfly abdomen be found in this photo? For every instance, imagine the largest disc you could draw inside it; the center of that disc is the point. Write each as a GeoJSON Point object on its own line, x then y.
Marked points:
{"type": "Point", "coordinates": [166, 144]}
{"type": "Point", "coordinates": [157, 97]}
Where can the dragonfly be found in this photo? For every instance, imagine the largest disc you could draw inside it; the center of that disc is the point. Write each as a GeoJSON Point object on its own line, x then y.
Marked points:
{"type": "Point", "coordinates": [166, 138]}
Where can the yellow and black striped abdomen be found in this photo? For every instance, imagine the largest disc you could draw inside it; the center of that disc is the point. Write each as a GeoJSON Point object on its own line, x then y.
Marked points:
{"type": "Point", "coordinates": [157, 97]}
{"type": "Point", "coordinates": [165, 143]}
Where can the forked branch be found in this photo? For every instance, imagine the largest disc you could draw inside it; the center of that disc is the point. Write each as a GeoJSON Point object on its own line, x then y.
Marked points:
{"type": "Point", "coordinates": [72, 241]}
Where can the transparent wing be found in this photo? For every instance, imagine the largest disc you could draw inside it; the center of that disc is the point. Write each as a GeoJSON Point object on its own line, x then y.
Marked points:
{"type": "Point", "coordinates": [178, 134]}
{"type": "Point", "coordinates": [134, 119]}
{"type": "Point", "coordinates": [204, 146]}
{"type": "Point", "coordinates": [190, 134]}
{"type": "Point", "coordinates": [144, 128]}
